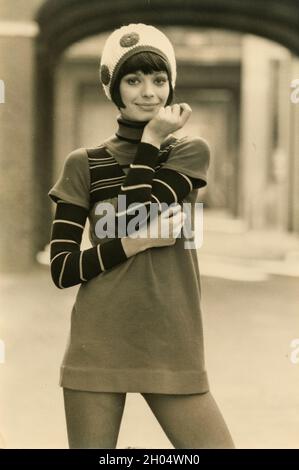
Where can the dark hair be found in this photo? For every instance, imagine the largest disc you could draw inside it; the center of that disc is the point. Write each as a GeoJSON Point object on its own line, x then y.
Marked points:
{"type": "Point", "coordinates": [147, 62]}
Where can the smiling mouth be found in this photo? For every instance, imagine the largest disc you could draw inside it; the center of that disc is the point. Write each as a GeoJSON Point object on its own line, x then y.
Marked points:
{"type": "Point", "coordinates": [147, 105]}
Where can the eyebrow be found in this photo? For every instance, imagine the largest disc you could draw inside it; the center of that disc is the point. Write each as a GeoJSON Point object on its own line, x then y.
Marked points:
{"type": "Point", "coordinates": [139, 73]}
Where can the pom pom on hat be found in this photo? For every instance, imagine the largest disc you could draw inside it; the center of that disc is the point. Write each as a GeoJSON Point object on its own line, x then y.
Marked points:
{"type": "Point", "coordinates": [128, 40]}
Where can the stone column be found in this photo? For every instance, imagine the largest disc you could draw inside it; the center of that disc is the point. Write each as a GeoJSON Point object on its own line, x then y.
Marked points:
{"type": "Point", "coordinates": [259, 193]}
{"type": "Point", "coordinates": [255, 129]}
{"type": "Point", "coordinates": [294, 187]}
{"type": "Point", "coordinates": [17, 144]}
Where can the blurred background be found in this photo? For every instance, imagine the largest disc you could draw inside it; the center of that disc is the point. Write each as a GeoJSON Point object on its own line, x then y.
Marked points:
{"type": "Point", "coordinates": [237, 68]}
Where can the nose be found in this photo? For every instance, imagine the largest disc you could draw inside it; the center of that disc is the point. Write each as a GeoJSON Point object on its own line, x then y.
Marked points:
{"type": "Point", "coordinates": [147, 89]}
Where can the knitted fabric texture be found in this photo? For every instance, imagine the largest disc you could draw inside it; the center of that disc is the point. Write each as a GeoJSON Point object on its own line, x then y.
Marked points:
{"type": "Point", "coordinates": [128, 40]}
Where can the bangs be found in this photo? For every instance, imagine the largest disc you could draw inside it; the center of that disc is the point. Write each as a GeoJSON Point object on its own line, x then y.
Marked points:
{"type": "Point", "coordinates": [147, 62]}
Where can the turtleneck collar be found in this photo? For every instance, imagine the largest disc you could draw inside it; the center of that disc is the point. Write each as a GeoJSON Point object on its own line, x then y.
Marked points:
{"type": "Point", "coordinates": [130, 131]}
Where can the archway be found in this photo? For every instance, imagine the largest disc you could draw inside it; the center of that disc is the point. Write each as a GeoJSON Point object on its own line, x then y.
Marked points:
{"type": "Point", "coordinates": [64, 22]}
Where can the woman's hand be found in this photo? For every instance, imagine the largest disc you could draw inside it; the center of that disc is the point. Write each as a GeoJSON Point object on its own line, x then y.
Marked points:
{"type": "Point", "coordinates": [163, 230]}
{"type": "Point", "coordinates": [167, 120]}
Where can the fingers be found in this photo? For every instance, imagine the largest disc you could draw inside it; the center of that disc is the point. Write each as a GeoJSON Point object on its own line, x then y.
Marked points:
{"type": "Point", "coordinates": [176, 223]}
{"type": "Point", "coordinates": [168, 111]}
{"type": "Point", "coordinates": [173, 220]}
{"type": "Point", "coordinates": [165, 229]}
{"type": "Point", "coordinates": [169, 119]}
{"type": "Point", "coordinates": [171, 210]}
{"type": "Point", "coordinates": [176, 110]}
{"type": "Point", "coordinates": [186, 107]}
{"type": "Point", "coordinates": [185, 113]}
{"type": "Point", "coordinates": [179, 111]}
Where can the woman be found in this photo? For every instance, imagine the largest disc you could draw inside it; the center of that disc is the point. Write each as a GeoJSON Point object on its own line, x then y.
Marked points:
{"type": "Point", "coordinates": [136, 323]}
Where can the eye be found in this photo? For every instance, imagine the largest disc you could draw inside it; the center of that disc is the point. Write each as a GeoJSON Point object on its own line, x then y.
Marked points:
{"type": "Point", "coordinates": [132, 80]}
{"type": "Point", "coordinates": [161, 80]}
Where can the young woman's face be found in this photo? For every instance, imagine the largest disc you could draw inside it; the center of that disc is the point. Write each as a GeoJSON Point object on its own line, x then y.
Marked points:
{"type": "Point", "coordinates": [143, 95]}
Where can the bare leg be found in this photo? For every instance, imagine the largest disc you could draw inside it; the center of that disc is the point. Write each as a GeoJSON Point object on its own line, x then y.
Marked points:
{"type": "Point", "coordinates": [93, 418]}
{"type": "Point", "coordinates": [191, 421]}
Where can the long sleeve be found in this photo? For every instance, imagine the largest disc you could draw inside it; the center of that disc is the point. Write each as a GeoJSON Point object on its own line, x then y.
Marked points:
{"type": "Point", "coordinates": [185, 170]}
{"type": "Point", "coordinates": [69, 265]}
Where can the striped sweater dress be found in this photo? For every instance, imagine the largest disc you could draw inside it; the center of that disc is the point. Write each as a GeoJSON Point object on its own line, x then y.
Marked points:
{"type": "Point", "coordinates": [136, 323]}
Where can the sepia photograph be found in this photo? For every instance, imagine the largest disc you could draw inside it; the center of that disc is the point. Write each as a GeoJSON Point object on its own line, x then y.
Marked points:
{"type": "Point", "coordinates": [149, 250]}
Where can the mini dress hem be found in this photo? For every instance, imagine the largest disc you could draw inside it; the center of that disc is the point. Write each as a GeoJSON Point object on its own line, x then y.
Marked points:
{"type": "Point", "coordinates": [134, 380]}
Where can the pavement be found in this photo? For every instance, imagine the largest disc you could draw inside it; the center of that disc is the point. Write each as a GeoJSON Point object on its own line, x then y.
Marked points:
{"type": "Point", "coordinates": [251, 324]}
{"type": "Point", "coordinates": [231, 251]}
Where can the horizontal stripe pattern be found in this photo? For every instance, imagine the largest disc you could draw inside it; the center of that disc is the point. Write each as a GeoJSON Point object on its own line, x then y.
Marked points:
{"type": "Point", "coordinates": [137, 186]}
{"type": "Point", "coordinates": [107, 175]}
{"type": "Point", "coordinates": [167, 186]}
{"type": "Point", "coordinates": [70, 266]}
{"type": "Point", "coordinates": [145, 182]}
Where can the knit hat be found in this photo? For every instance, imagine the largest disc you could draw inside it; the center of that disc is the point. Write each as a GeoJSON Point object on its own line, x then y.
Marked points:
{"type": "Point", "coordinates": [128, 40]}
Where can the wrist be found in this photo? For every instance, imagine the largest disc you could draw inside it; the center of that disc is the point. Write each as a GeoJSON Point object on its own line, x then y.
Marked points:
{"type": "Point", "coordinates": [152, 139]}
{"type": "Point", "coordinates": [133, 246]}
